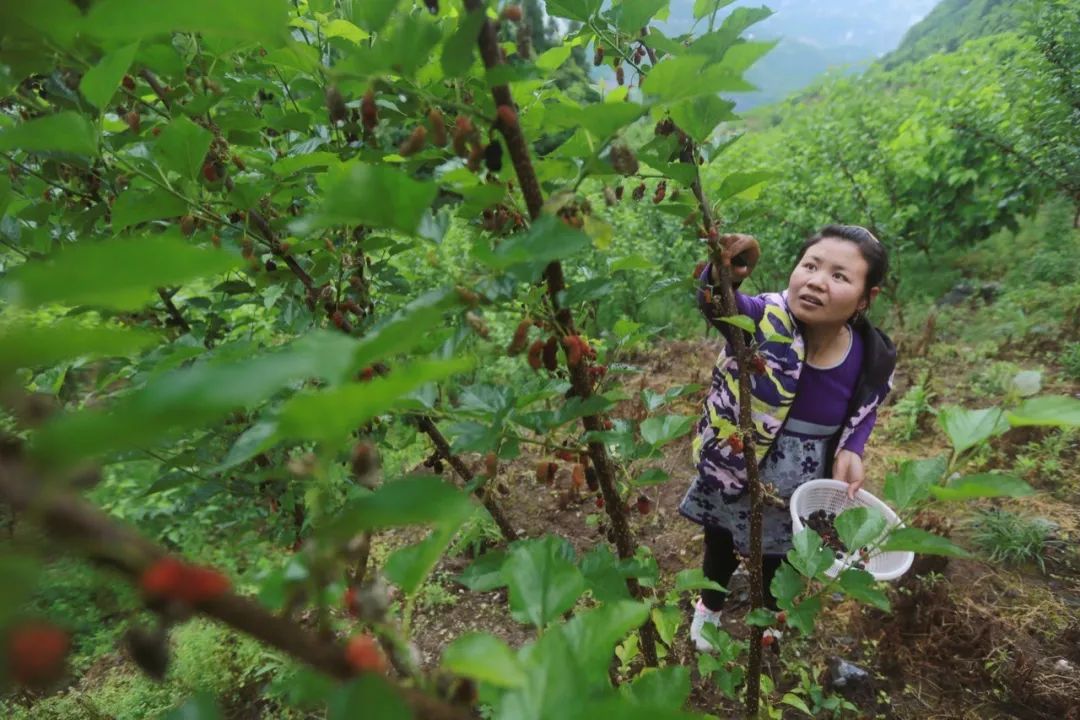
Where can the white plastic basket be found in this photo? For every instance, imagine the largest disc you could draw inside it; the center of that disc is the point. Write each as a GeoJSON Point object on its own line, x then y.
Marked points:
{"type": "Point", "coordinates": [831, 496]}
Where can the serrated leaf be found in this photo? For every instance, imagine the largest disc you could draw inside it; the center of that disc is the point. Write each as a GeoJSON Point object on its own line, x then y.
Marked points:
{"type": "Point", "coordinates": [182, 147]}
{"type": "Point", "coordinates": [262, 20]}
{"type": "Point", "coordinates": [912, 483]}
{"type": "Point", "coordinates": [659, 431]}
{"type": "Point", "coordinates": [911, 539]}
{"type": "Point", "coordinates": [554, 57]}
{"type": "Point", "coordinates": [544, 582]}
{"type": "Point", "coordinates": [786, 585]}
{"type": "Point", "coordinates": [1048, 410]}
{"type": "Point", "coordinates": [100, 82]}
{"type": "Point", "coordinates": [121, 274]}
{"type": "Point", "coordinates": [694, 579]}
{"type": "Point", "coordinates": [592, 635]}
{"type": "Point", "coordinates": [483, 657]}
{"type": "Point", "coordinates": [860, 526]}
{"type": "Point", "coordinates": [374, 195]}
{"type": "Point", "coordinates": [968, 428]}
{"type": "Point", "coordinates": [408, 566]}
{"type": "Point", "coordinates": [637, 14]}
{"type": "Point", "coordinates": [133, 207]}
{"type": "Point", "coordinates": [24, 345]}
{"type": "Point", "coordinates": [860, 585]}
{"type": "Point", "coordinates": [699, 116]}
{"type": "Point", "coordinates": [738, 182]}
{"type": "Point", "coordinates": [66, 132]}
{"type": "Point", "coordinates": [803, 616]}
{"type": "Point", "coordinates": [982, 485]}
{"type": "Point", "coordinates": [807, 554]}
{"type": "Point", "coordinates": [604, 575]}
{"type": "Point", "coordinates": [485, 573]}
{"type": "Point", "coordinates": [579, 10]}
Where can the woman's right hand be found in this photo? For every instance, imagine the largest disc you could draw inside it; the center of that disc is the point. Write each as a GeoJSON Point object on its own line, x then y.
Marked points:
{"type": "Point", "coordinates": [740, 252]}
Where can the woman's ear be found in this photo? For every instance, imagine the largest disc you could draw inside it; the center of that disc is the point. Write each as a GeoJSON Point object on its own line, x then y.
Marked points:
{"type": "Point", "coordinates": [869, 298]}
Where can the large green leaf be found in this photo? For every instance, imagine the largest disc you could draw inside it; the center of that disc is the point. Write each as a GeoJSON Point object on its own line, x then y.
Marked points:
{"type": "Point", "coordinates": [911, 539]}
{"type": "Point", "coordinates": [543, 579]}
{"type": "Point", "coordinates": [860, 585]}
{"type": "Point", "coordinates": [408, 566]}
{"type": "Point", "coordinates": [604, 574]}
{"type": "Point", "coordinates": [459, 50]}
{"type": "Point", "coordinates": [372, 15]}
{"type": "Point", "coordinates": [699, 116]}
{"type": "Point", "coordinates": [485, 573]}
{"type": "Point", "coordinates": [411, 501]}
{"type": "Point", "coordinates": [182, 147]}
{"type": "Point", "coordinates": [808, 555]}
{"type": "Point", "coordinates": [802, 616]}
{"type": "Point", "coordinates": [334, 413]}
{"type": "Point", "coordinates": [786, 585]}
{"type": "Point", "coordinates": [742, 55]}
{"type": "Point", "coordinates": [705, 7]}
{"type": "Point", "coordinates": [262, 20]}
{"type": "Point", "coordinates": [100, 82]}
{"type": "Point", "coordinates": [580, 10]}
{"type": "Point", "coordinates": [137, 206]}
{"type": "Point", "coordinates": [1048, 410]}
{"type": "Point", "coordinates": [547, 239]}
{"type": "Point", "coordinates": [860, 526]}
{"type": "Point", "coordinates": [968, 428]}
{"type": "Point", "coordinates": [374, 195]}
{"type": "Point", "coordinates": [193, 397]}
{"type": "Point", "coordinates": [593, 634]}
{"type": "Point", "coordinates": [370, 691]}
{"type": "Point", "coordinates": [694, 579]}
{"type": "Point", "coordinates": [659, 431]}
{"type": "Point", "coordinates": [738, 182]}
{"type": "Point", "coordinates": [912, 483]}
{"type": "Point", "coordinates": [982, 485]}
{"type": "Point", "coordinates": [67, 132]}
{"type": "Point", "coordinates": [665, 687]}
{"type": "Point", "coordinates": [483, 657]}
{"type": "Point", "coordinates": [603, 120]}
{"type": "Point", "coordinates": [32, 345]}
{"type": "Point", "coordinates": [637, 14]}
{"type": "Point", "coordinates": [122, 273]}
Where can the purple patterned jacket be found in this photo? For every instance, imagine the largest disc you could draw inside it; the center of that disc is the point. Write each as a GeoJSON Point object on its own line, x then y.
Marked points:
{"type": "Point", "coordinates": [781, 344]}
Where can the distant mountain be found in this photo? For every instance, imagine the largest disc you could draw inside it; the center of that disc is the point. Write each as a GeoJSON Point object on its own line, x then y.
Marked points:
{"type": "Point", "coordinates": [815, 36]}
{"type": "Point", "coordinates": [952, 23]}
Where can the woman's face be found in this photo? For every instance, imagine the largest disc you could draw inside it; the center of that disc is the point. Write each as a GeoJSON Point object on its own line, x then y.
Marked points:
{"type": "Point", "coordinates": [828, 285]}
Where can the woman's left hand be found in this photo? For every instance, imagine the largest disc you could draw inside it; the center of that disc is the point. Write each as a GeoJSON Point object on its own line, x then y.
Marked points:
{"type": "Point", "coordinates": [848, 467]}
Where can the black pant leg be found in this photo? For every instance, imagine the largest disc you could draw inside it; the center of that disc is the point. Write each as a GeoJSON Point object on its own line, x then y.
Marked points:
{"type": "Point", "coordinates": [719, 564]}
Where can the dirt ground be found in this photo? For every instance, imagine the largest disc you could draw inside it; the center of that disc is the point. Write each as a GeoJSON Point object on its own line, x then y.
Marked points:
{"type": "Point", "coordinates": [966, 638]}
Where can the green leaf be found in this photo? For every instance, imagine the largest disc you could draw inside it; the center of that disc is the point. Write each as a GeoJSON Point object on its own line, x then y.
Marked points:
{"type": "Point", "coordinates": [604, 575]}
{"type": "Point", "coordinates": [344, 29]}
{"type": "Point", "coordinates": [485, 658]}
{"type": "Point", "coordinates": [372, 15]}
{"type": "Point", "coordinates": [202, 706]}
{"type": "Point", "coordinates": [543, 579]}
{"type": "Point", "coordinates": [705, 7]}
{"type": "Point", "coordinates": [860, 526]}
{"type": "Point", "coordinates": [659, 431]}
{"type": "Point", "coordinates": [408, 566]}
{"type": "Point", "coordinates": [911, 539]}
{"type": "Point", "coordinates": [374, 195]}
{"type": "Point", "coordinates": [666, 687]}
{"type": "Point", "coordinates": [100, 82]}
{"type": "Point", "coordinates": [298, 163]}
{"type": "Point", "coordinates": [122, 273]}
{"type": "Point", "coordinates": [182, 147]}
{"type": "Point", "coordinates": [743, 322]}
{"type": "Point", "coordinates": [580, 10]}
{"type": "Point", "coordinates": [372, 692]}
{"type": "Point", "coordinates": [636, 15]}
{"type": "Point", "coordinates": [459, 51]}
{"type": "Point", "coordinates": [551, 59]}
{"type": "Point", "coordinates": [968, 428]}
{"type": "Point", "coordinates": [193, 397]}
{"type": "Point", "coordinates": [1048, 410]}
{"type": "Point", "coordinates": [786, 585]}
{"type": "Point", "coordinates": [982, 485]}
{"type": "Point", "coordinates": [802, 616]}
{"type": "Point", "coordinates": [699, 116]}
{"type": "Point", "coordinates": [23, 345]}
{"type": "Point", "coordinates": [913, 482]}
{"type": "Point", "coordinates": [760, 617]}
{"type": "Point", "coordinates": [694, 579]}
{"type": "Point", "coordinates": [413, 501]}
{"type": "Point", "coordinates": [807, 555]}
{"type": "Point", "coordinates": [861, 585]}
{"type": "Point", "coordinates": [262, 20]}
{"type": "Point", "coordinates": [485, 574]}
{"type": "Point", "coordinates": [331, 414]}
{"type": "Point", "coordinates": [796, 702]}
{"type": "Point", "coordinates": [603, 120]}
{"type": "Point", "coordinates": [667, 81]}
{"type": "Point", "coordinates": [593, 634]}
{"type": "Point", "coordinates": [667, 619]}
{"type": "Point", "coordinates": [547, 239]}
{"type": "Point", "coordinates": [66, 132]}
{"type": "Point", "coordinates": [652, 476]}
{"type": "Point", "coordinates": [133, 207]}
{"type": "Point", "coordinates": [738, 182]}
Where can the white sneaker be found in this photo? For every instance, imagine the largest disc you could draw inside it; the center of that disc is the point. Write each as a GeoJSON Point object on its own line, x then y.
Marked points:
{"type": "Point", "coordinates": [703, 615]}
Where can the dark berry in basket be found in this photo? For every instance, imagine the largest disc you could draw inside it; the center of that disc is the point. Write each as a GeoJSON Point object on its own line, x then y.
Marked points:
{"type": "Point", "coordinates": [821, 522]}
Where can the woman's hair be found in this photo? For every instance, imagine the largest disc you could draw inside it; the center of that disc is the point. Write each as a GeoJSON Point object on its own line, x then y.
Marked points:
{"type": "Point", "coordinates": [877, 258]}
